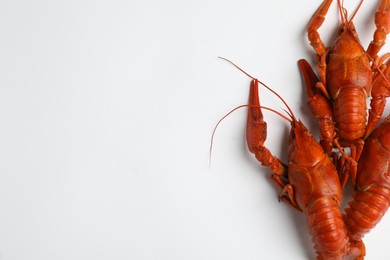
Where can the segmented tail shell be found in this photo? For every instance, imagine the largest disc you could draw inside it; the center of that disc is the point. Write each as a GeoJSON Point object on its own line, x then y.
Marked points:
{"type": "Point", "coordinates": [327, 229]}
{"type": "Point", "coordinates": [366, 210]}
{"type": "Point", "coordinates": [350, 113]}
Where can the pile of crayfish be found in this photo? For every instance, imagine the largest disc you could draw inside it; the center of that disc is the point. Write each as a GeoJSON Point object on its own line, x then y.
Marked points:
{"type": "Point", "coordinates": [354, 144]}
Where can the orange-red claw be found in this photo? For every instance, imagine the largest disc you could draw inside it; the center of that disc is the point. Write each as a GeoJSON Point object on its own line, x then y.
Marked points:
{"type": "Point", "coordinates": [256, 134]}
{"type": "Point", "coordinates": [319, 105]}
{"type": "Point", "coordinates": [256, 127]}
{"type": "Point", "coordinates": [315, 23]}
{"type": "Point", "coordinates": [382, 22]}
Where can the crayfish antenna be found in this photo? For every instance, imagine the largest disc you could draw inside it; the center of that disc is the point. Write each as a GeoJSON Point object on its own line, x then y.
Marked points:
{"type": "Point", "coordinates": [342, 11]}
{"type": "Point", "coordinates": [291, 114]}
{"type": "Point", "coordinates": [215, 129]}
{"type": "Point", "coordinates": [357, 9]}
{"type": "Point", "coordinates": [255, 106]}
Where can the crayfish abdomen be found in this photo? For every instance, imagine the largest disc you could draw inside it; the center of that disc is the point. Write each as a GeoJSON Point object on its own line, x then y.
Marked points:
{"type": "Point", "coordinates": [350, 113]}
{"type": "Point", "coordinates": [327, 229]}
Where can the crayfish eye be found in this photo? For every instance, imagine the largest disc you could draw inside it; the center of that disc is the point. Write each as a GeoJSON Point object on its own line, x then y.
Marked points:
{"type": "Point", "coordinates": [292, 135]}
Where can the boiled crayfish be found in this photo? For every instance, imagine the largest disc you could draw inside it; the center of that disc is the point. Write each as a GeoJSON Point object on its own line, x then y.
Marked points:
{"type": "Point", "coordinates": [346, 75]}
{"type": "Point", "coordinates": [312, 182]}
{"type": "Point", "coordinates": [308, 183]}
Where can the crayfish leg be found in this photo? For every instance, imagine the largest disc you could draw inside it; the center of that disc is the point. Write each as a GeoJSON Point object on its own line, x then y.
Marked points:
{"type": "Point", "coordinates": [380, 91]}
{"type": "Point", "coordinates": [287, 195]}
{"type": "Point", "coordinates": [315, 23]}
{"type": "Point", "coordinates": [382, 22]}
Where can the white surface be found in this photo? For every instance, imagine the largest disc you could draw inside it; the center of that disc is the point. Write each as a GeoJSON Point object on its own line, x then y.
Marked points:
{"type": "Point", "coordinates": [106, 113]}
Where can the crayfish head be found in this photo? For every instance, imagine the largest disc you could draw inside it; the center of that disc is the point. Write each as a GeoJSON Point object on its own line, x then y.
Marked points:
{"type": "Point", "coordinates": [303, 148]}
{"type": "Point", "coordinates": [347, 32]}
{"type": "Point", "coordinates": [347, 41]}
{"type": "Point", "coordinates": [347, 28]}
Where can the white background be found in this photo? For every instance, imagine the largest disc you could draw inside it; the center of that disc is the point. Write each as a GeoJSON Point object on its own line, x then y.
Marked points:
{"type": "Point", "coordinates": [106, 113]}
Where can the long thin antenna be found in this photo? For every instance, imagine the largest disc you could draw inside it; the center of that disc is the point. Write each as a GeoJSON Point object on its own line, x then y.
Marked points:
{"type": "Point", "coordinates": [357, 9]}
{"type": "Point", "coordinates": [264, 85]}
{"type": "Point", "coordinates": [341, 8]}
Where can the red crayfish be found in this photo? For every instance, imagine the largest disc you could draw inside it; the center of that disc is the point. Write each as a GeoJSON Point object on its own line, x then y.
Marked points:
{"type": "Point", "coordinates": [312, 181]}
{"type": "Point", "coordinates": [308, 183]}
{"type": "Point", "coordinates": [348, 74]}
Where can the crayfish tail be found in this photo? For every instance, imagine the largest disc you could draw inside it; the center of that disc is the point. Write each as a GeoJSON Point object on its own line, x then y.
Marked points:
{"type": "Point", "coordinates": [365, 211]}
{"type": "Point", "coordinates": [327, 229]}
